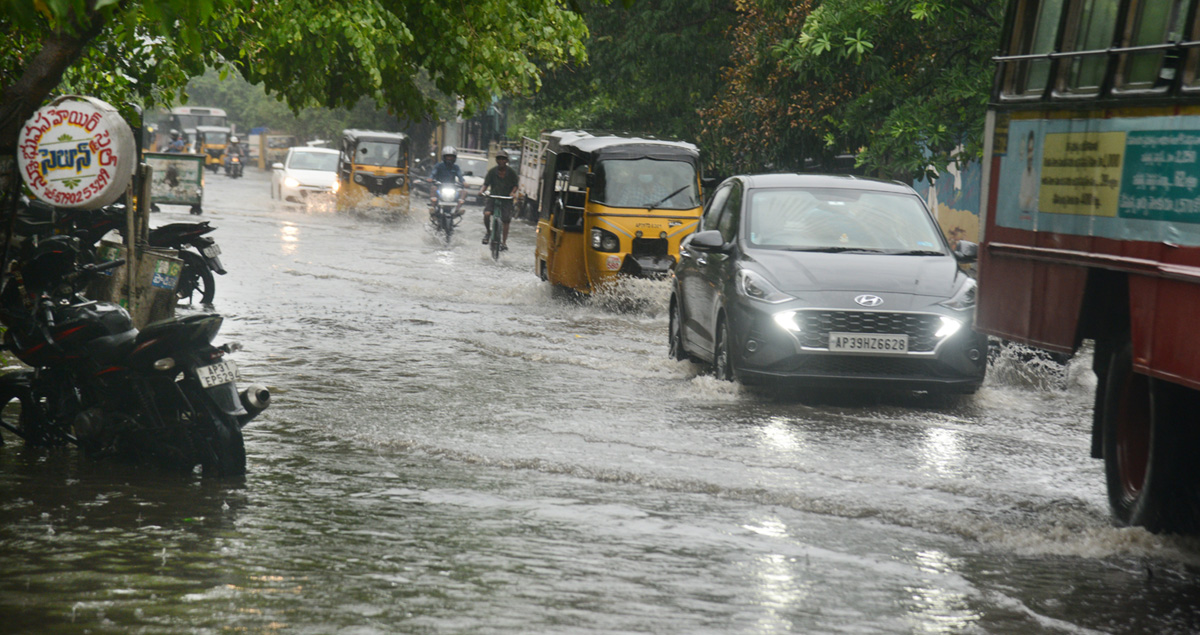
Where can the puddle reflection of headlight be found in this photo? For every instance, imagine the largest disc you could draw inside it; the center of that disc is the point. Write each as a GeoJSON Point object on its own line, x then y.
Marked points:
{"type": "Point", "coordinates": [949, 327]}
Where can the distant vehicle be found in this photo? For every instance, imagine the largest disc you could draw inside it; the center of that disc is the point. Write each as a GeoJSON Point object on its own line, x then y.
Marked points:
{"type": "Point", "coordinates": [273, 147]}
{"type": "Point", "coordinates": [305, 172]}
{"type": "Point", "coordinates": [373, 170]}
{"type": "Point", "coordinates": [475, 167]}
{"type": "Point", "coordinates": [211, 142]}
{"type": "Point", "coordinates": [187, 118]}
{"type": "Point", "coordinates": [826, 282]}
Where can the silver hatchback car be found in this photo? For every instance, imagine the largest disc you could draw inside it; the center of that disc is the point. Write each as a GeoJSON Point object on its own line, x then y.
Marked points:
{"type": "Point", "coordinates": [826, 282]}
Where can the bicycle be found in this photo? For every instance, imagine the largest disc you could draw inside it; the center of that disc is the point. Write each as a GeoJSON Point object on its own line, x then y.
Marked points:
{"type": "Point", "coordinates": [496, 226]}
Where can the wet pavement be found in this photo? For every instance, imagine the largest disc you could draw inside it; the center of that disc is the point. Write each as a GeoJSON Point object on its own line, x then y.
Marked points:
{"type": "Point", "coordinates": [454, 447]}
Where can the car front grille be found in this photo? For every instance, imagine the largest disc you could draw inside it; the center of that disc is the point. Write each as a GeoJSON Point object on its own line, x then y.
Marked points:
{"type": "Point", "coordinates": [815, 327]}
{"type": "Point", "coordinates": [865, 365]}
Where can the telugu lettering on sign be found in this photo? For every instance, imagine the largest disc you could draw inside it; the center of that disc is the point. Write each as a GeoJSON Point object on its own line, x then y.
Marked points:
{"type": "Point", "coordinates": [76, 152]}
{"type": "Point", "coordinates": [1081, 173]}
{"type": "Point", "coordinates": [1160, 180]}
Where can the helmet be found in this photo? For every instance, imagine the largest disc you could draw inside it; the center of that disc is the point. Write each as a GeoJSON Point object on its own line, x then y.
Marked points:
{"type": "Point", "coordinates": [449, 151]}
{"type": "Point", "coordinates": [174, 134]}
{"type": "Point", "coordinates": [233, 139]}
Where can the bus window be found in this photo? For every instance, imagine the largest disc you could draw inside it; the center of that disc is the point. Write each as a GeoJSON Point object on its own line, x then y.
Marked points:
{"type": "Point", "coordinates": [1090, 28]}
{"type": "Point", "coordinates": [1151, 22]}
{"type": "Point", "coordinates": [1034, 33]}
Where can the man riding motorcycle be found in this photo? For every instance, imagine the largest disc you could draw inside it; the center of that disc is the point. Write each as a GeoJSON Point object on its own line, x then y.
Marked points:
{"type": "Point", "coordinates": [449, 172]}
{"type": "Point", "coordinates": [234, 148]}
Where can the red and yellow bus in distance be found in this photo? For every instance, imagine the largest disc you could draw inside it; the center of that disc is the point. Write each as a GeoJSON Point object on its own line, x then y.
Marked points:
{"type": "Point", "coordinates": [1092, 227]}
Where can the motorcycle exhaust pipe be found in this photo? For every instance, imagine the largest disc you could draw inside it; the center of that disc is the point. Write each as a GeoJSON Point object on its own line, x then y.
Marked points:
{"type": "Point", "coordinates": [255, 399]}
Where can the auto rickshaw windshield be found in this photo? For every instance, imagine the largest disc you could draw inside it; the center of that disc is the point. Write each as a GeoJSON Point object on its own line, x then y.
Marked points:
{"type": "Point", "coordinates": [653, 183]}
{"type": "Point", "coordinates": [380, 153]}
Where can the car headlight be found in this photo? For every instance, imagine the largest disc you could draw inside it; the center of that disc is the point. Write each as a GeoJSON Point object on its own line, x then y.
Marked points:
{"type": "Point", "coordinates": [290, 182]}
{"type": "Point", "coordinates": [787, 320]}
{"type": "Point", "coordinates": [604, 240]}
{"type": "Point", "coordinates": [964, 298]}
{"type": "Point", "coordinates": [949, 327]}
{"type": "Point", "coordinates": [754, 286]}
{"type": "Point", "coordinates": [337, 185]}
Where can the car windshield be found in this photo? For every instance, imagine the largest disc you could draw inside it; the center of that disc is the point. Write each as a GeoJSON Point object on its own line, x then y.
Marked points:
{"type": "Point", "coordinates": [476, 167]}
{"type": "Point", "coordinates": [380, 153]}
{"type": "Point", "coordinates": [840, 220]}
{"type": "Point", "coordinates": [646, 183]}
{"type": "Point", "coordinates": [323, 161]}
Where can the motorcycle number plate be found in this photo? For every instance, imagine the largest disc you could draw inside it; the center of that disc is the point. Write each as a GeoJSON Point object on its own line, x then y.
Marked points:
{"type": "Point", "coordinates": [216, 374]}
{"type": "Point", "coordinates": [212, 251]}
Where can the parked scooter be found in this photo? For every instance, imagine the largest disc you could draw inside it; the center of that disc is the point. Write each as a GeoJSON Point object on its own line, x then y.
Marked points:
{"type": "Point", "coordinates": [446, 208]}
{"type": "Point", "coordinates": [164, 394]}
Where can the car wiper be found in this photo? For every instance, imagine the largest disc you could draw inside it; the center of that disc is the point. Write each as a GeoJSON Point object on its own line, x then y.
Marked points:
{"type": "Point", "coordinates": [667, 197]}
{"type": "Point", "coordinates": [836, 250]}
{"type": "Point", "coordinates": [918, 252]}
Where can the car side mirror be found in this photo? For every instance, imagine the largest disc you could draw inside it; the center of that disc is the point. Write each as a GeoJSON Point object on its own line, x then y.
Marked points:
{"type": "Point", "coordinates": [276, 166]}
{"type": "Point", "coordinates": [966, 251]}
{"type": "Point", "coordinates": [707, 241]}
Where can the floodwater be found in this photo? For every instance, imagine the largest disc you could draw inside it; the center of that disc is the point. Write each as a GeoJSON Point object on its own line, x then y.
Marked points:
{"type": "Point", "coordinates": [455, 448]}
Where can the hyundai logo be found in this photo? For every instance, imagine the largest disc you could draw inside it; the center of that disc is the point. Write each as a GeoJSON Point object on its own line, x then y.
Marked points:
{"type": "Point", "coordinates": [869, 300]}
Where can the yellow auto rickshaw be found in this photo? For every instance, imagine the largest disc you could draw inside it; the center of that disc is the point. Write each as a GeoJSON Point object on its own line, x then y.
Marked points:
{"type": "Point", "coordinates": [211, 142]}
{"type": "Point", "coordinates": [613, 206]}
{"type": "Point", "coordinates": [373, 170]}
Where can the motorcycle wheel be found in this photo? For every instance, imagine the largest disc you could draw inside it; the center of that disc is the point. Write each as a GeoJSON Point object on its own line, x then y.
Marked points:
{"type": "Point", "coordinates": [220, 444]}
{"type": "Point", "coordinates": [195, 278]}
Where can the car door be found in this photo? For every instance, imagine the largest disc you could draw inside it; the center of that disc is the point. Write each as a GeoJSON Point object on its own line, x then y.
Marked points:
{"type": "Point", "coordinates": [689, 274]}
{"type": "Point", "coordinates": [717, 268]}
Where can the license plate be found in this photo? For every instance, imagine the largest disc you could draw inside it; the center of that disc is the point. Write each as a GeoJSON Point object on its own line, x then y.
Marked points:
{"type": "Point", "coordinates": [212, 251]}
{"type": "Point", "coordinates": [216, 374]}
{"type": "Point", "coordinates": [868, 343]}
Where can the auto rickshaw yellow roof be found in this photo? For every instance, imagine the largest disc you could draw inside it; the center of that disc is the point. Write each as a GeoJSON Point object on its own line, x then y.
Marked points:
{"type": "Point", "coordinates": [356, 135]}
{"type": "Point", "coordinates": [605, 145]}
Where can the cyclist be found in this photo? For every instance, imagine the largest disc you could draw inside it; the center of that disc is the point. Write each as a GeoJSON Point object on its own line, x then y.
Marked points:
{"type": "Point", "coordinates": [500, 181]}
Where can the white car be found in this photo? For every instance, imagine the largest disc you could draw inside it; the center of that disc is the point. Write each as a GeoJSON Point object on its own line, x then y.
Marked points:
{"type": "Point", "coordinates": [474, 167]}
{"type": "Point", "coordinates": [304, 173]}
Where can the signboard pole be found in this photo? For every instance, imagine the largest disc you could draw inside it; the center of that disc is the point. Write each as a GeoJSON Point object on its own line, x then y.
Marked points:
{"type": "Point", "coordinates": [130, 250]}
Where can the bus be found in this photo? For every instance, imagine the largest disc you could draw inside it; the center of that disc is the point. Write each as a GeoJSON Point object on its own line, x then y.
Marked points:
{"type": "Point", "coordinates": [185, 119]}
{"type": "Point", "coordinates": [1091, 228]}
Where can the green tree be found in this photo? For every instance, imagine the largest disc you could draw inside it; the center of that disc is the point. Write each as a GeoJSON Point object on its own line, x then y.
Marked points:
{"type": "Point", "coordinates": [651, 66]}
{"type": "Point", "coordinates": [310, 52]}
{"type": "Point", "coordinates": [900, 84]}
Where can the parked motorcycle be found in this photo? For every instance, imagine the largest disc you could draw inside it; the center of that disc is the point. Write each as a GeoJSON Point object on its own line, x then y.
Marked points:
{"type": "Point", "coordinates": [196, 278]}
{"type": "Point", "coordinates": [446, 208]}
{"type": "Point", "coordinates": [164, 394]}
{"type": "Point", "coordinates": [198, 266]}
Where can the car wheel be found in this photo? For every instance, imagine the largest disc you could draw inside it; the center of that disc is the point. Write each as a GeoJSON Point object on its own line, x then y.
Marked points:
{"type": "Point", "coordinates": [675, 332]}
{"type": "Point", "coordinates": [722, 359]}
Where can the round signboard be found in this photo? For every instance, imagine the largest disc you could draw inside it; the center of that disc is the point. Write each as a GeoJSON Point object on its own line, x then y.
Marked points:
{"type": "Point", "coordinates": [77, 152]}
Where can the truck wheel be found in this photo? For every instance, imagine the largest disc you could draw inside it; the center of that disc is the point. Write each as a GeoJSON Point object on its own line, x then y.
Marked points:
{"type": "Point", "coordinates": [1147, 439]}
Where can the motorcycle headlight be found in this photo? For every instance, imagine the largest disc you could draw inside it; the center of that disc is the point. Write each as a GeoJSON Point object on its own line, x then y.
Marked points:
{"type": "Point", "coordinates": [755, 286]}
{"type": "Point", "coordinates": [290, 182]}
{"type": "Point", "coordinates": [964, 298]}
{"type": "Point", "coordinates": [604, 240]}
{"type": "Point", "coordinates": [448, 194]}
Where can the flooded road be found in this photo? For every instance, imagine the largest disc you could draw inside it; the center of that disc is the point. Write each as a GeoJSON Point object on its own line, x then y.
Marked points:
{"type": "Point", "coordinates": [455, 448]}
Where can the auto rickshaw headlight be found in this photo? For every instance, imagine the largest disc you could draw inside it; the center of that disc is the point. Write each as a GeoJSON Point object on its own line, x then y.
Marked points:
{"type": "Point", "coordinates": [604, 240]}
